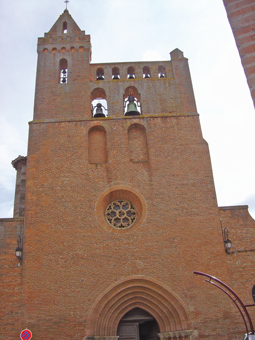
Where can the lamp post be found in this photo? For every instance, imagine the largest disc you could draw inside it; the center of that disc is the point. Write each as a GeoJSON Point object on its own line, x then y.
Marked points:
{"type": "Point", "coordinates": [227, 242]}
{"type": "Point", "coordinates": [19, 250]}
{"type": "Point", "coordinates": [242, 308]}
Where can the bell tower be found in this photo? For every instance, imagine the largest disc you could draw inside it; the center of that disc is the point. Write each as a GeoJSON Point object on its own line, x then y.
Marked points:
{"type": "Point", "coordinates": [64, 55]}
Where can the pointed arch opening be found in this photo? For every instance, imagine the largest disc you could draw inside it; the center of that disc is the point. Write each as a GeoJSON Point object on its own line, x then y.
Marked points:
{"type": "Point", "coordinates": [137, 324]}
{"type": "Point", "coordinates": [99, 108]}
{"type": "Point", "coordinates": [137, 292]}
{"type": "Point", "coordinates": [63, 71]}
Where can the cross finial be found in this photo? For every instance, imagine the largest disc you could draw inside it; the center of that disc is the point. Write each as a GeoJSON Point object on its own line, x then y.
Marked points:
{"type": "Point", "coordinates": [66, 1]}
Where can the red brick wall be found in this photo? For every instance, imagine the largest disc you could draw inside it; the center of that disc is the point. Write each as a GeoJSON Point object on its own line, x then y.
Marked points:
{"type": "Point", "coordinates": [241, 15]}
{"type": "Point", "coordinates": [241, 259]}
{"type": "Point", "coordinates": [10, 281]}
{"type": "Point", "coordinates": [79, 256]}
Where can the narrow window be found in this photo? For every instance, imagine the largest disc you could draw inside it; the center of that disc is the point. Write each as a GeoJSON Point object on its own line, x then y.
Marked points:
{"type": "Point", "coordinates": [100, 74]}
{"type": "Point", "coordinates": [64, 27]}
{"type": "Point", "coordinates": [146, 72]}
{"type": "Point", "coordinates": [115, 73]}
{"type": "Point", "coordinates": [131, 73]}
{"type": "Point", "coordinates": [63, 71]}
{"type": "Point", "coordinates": [161, 72]}
{"type": "Point", "coordinates": [253, 293]}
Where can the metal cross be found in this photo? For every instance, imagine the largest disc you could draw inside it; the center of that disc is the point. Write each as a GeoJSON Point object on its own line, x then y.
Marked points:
{"type": "Point", "coordinates": [66, 1]}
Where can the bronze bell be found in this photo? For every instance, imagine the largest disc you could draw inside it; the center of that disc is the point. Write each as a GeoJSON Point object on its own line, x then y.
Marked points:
{"type": "Point", "coordinates": [99, 111]}
{"type": "Point", "coordinates": [131, 76]}
{"type": "Point", "coordinates": [147, 75]}
{"type": "Point", "coordinates": [116, 76]}
{"type": "Point", "coordinates": [100, 76]}
{"type": "Point", "coordinates": [132, 107]}
{"type": "Point", "coordinates": [162, 75]}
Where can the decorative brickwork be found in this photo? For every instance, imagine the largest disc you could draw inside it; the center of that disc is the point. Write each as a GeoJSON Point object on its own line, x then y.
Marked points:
{"type": "Point", "coordinates": [166, 308]}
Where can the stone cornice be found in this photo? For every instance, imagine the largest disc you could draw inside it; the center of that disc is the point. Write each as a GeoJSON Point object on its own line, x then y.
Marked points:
{"type": "Point", "coordinates": [17, 160]}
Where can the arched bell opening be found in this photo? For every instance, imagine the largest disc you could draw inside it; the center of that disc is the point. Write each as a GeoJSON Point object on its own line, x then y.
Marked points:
{"type": "Point", "coordinates": [138, 324]}
{"type": "Point", "coordinates": [100, 73]}
{"type": "Point", "coordinates": [146, 72]}
{"type": "Point", "coordinates": [131, 73]}
{"type": "Point", "coordinates": [115, 73]}
{"type": "Point", "coordinates": [161, 71]}
{"type": "Point", "coordinates": [99, 107]}
{"type": "Point", "coordinates": [63, 70]}
{"type": "Point", "coordinates": [132, 103]}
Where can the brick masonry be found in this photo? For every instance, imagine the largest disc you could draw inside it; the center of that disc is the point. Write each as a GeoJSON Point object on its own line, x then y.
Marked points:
{"type": "Point", "coordinates": [79, 275]}
{"type": "Point", "coordinates": [241, 16]}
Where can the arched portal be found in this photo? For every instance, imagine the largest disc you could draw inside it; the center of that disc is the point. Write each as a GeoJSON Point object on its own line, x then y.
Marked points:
{"type": "Point", "coordinates": [136, 293]}
{"type": "Point", "coordinates": [137, 324]}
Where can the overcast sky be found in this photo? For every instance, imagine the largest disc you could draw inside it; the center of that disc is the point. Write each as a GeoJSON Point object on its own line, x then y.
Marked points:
{"type": "Point", "coordinates": [136, 30]}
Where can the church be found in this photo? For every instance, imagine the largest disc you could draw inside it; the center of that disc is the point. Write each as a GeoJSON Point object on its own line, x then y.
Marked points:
{"type": "Point", "coordinates": [115, 208]}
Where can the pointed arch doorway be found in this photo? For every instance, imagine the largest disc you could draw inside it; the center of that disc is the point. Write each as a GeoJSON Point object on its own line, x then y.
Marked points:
{"type": "Point", "coordinates": [138, 324]}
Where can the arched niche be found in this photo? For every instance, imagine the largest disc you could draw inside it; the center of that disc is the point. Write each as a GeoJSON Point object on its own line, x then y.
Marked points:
{"type": "Point", "coordinates": [97, 145]}
{"type": "Point", "coordinates": [137, 143]}
{"type": "Point", "coordinates": [98, 98]}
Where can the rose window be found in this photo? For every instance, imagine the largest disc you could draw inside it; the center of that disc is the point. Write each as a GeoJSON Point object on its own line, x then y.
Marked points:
{"type": "Point", "coordinates": [121, 214]}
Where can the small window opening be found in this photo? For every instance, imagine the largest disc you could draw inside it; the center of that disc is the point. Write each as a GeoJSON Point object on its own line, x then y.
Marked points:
{"type": "Point", "coordinates": [99, 108]}
{"type": "Point", "coordinates": [63, 71]}
{"type": "Point", "coordinates": [100, 74]}
{"type": "Point", "coordinates": [131, 73]}
{"type": "Point", "coordinates": [161, 72]}
{"type": "Point", "coordinates": [253, 293]}
{"type": "Point", "coordinates": [146, 72]}
{"type": "Point", "coordinates": [64, 27]}
{"type": "Point", "coordinates": [115, 73]}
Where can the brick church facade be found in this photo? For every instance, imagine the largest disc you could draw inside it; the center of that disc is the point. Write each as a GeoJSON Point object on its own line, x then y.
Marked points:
{"type": "Point", "coordinates": [115, 207]}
